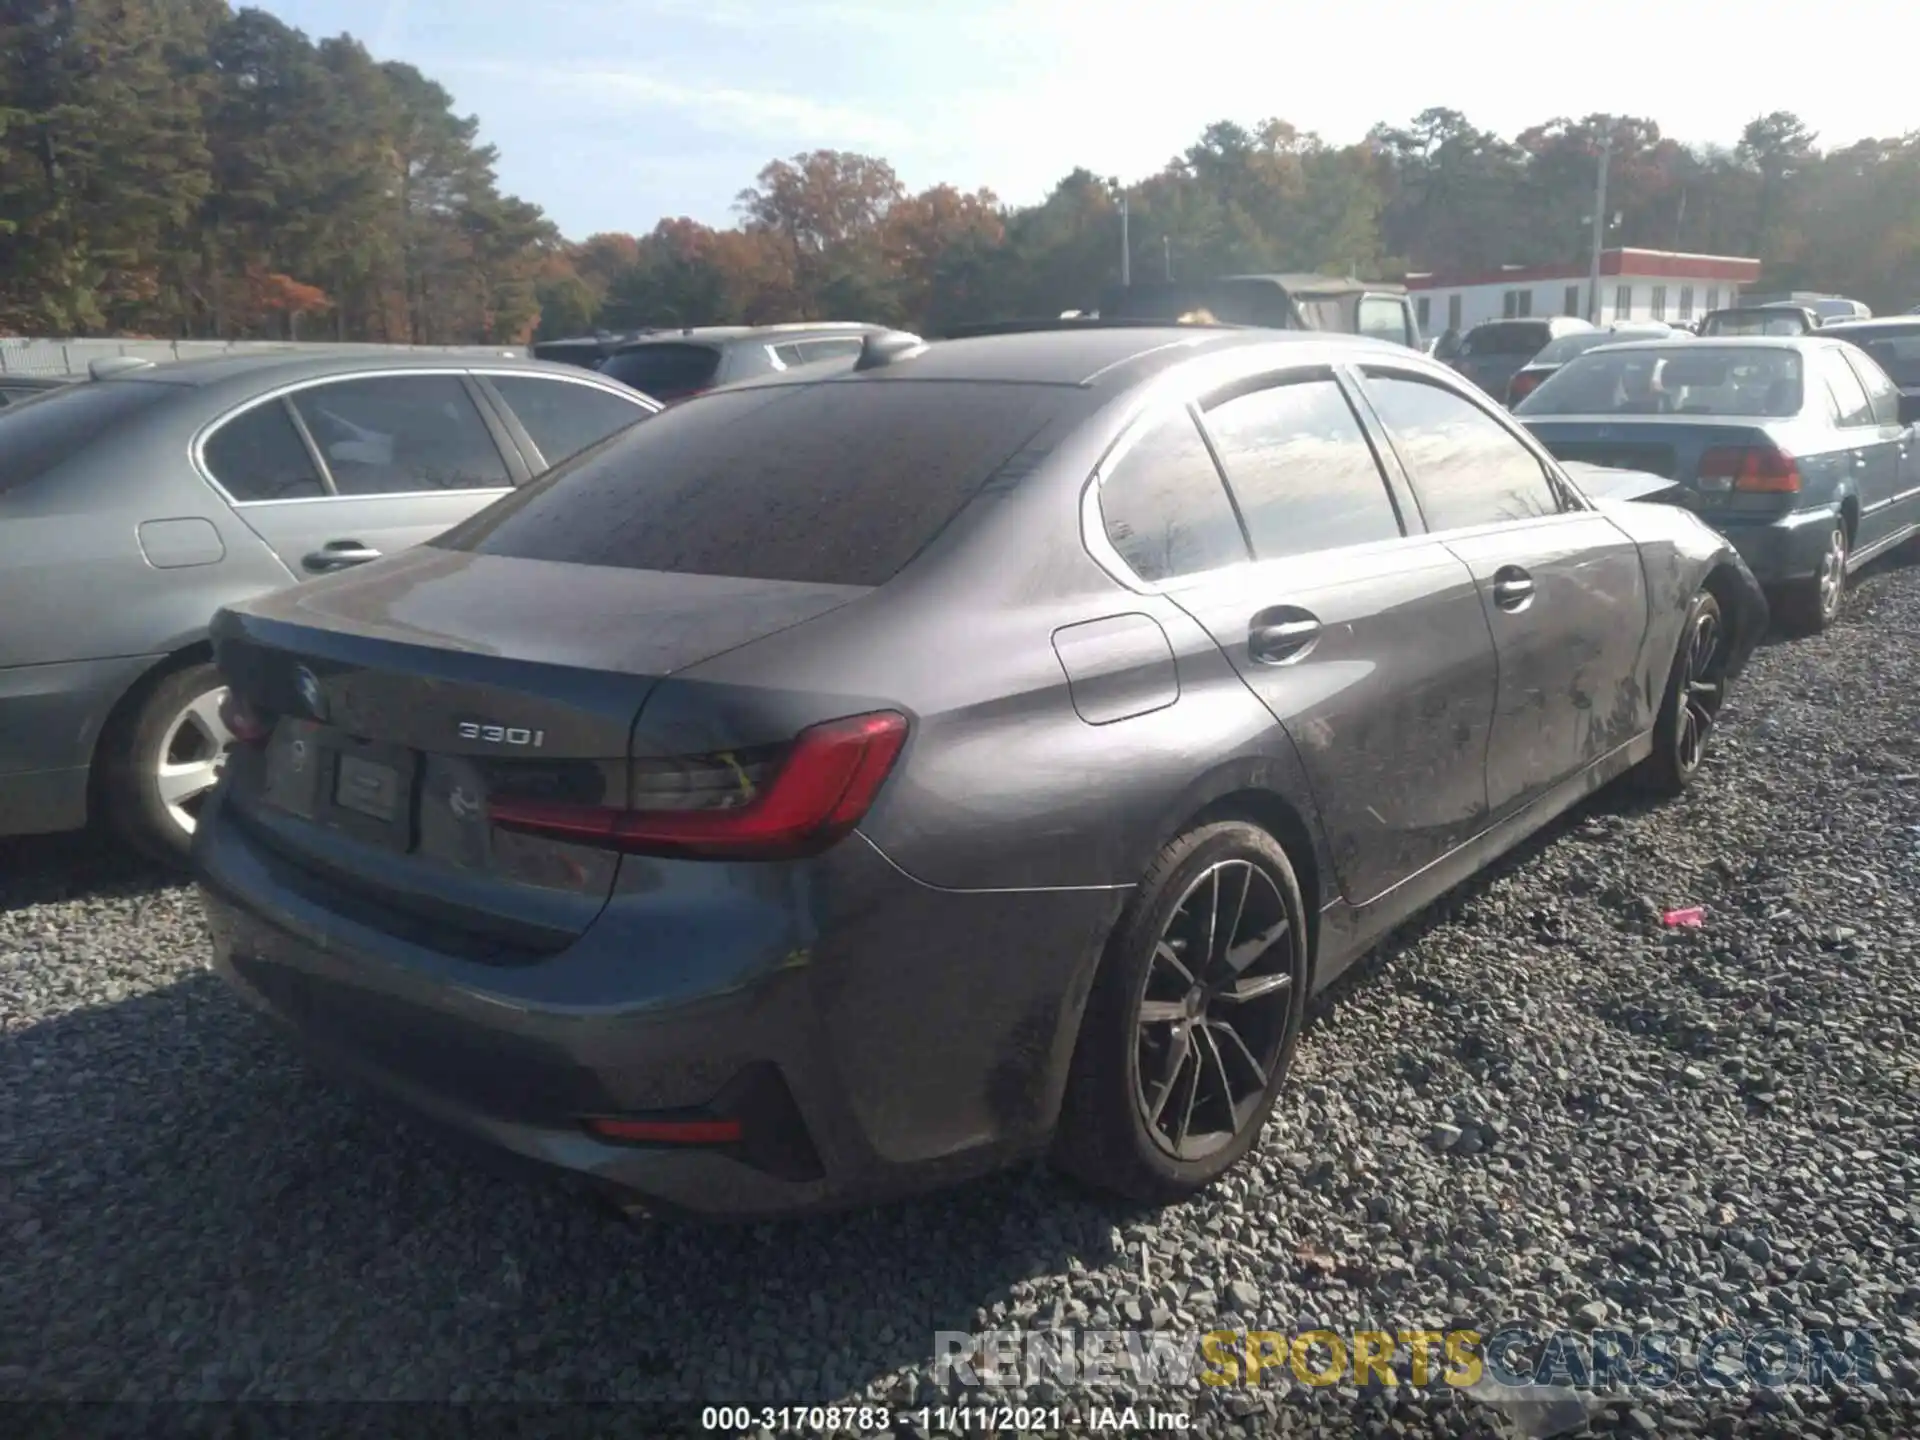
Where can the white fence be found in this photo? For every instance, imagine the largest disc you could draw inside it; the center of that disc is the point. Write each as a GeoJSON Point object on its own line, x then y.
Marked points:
{"type": "Point", "coordinates": [32, 356]}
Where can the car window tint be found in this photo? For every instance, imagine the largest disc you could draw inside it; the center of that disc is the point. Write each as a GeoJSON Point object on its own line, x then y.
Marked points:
{"type": "Point", "coordinates": [1849, 395]}
{"type": "Point", "coordinates": [664, 371]}
{"type": "Point", "coordinates": [401, 434]}
{"type": "Point", "coordinates": [1383, 319]}
{"type": "Point", "coordinates": [38, 434]}
{"type": "Point", "coordinates": [1466, 468]}
{"type": "Point", "coordinates": [1883, 397]}
{"type": "Point", "coordinates": [1164, 506]}
{"type": "Point", "coordinates": [790, 354]}
{"type": "Point", "coordinates": [1300, 467]}
{"type": "Point", "coordinates": [563, 417]}
{"type": "Point", "coordinates": [826, 484]}
{"type": "Point", "coordinates": [258, 455]}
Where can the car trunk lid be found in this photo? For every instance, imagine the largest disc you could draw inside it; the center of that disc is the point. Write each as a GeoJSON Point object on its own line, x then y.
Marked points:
{"type": "Point", "coordinates": [402, 703]}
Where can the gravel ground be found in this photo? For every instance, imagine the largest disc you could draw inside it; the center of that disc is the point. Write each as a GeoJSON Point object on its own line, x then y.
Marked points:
{"type": "Point", "coordinates": [1536, 1105]}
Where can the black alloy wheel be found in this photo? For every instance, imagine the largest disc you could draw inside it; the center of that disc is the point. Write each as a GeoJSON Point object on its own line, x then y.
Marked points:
{"type": "Point", "coordinates": [1213, 1009]}
{"type": "Point", "coordinates": [1191, 1024]}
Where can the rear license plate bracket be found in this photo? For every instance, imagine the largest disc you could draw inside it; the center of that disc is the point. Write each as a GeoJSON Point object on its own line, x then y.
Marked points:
{"type": "Point", "coordinates": [368, 789]}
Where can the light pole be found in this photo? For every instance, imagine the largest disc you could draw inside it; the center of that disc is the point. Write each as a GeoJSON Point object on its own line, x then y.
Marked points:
{"type": "Point", "coordinates": [1599, 232]}
{"type": "Point", "coordinates": [1126, 246]}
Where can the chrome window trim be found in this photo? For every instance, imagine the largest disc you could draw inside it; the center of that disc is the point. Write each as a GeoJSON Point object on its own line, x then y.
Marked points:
{"type": "Point", "coordinates": [196, 449]}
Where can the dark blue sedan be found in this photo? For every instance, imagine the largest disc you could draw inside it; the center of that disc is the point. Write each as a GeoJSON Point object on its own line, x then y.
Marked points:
{"type": "Point", "coordinates": [1791, 447]}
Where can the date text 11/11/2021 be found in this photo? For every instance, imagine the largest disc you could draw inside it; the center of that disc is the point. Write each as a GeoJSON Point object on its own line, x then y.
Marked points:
{"type": "Point", "coordinates": [950, 1419]}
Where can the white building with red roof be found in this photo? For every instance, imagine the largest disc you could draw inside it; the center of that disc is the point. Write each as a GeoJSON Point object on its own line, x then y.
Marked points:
{"type": "Point", "coordinates": [1634, 285]}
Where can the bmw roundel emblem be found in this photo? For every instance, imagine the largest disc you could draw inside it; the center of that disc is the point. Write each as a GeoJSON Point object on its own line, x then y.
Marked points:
{"type": "Point", "coordinates": [310, 693]}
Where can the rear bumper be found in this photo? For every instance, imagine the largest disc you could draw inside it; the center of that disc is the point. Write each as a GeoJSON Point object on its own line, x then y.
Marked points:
{"type": "Point", "coordinates": [1779, 549]}
{"type": "Point", "coordinates": [50, 721]}
{"type": "Point", "coordinates": [899, 1036]}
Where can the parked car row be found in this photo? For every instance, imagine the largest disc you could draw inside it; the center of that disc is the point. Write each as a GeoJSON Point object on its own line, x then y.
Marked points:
{"type": "Point", "coordinates": [841, 783]}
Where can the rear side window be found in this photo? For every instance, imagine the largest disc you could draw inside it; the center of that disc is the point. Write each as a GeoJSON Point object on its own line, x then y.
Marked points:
{"type": "Point", "coordinates": [1882, 394]}
{"type": "Point", "coordinates": [832, 484]}
{"type": "Point", "coordinates": [565, 418]}
{"type": "Point", "coordinates": [1849, 396]}
{"type": "Point", "coordinates": [51, 429]}
{"type": "Point", "coordinates": [666, 372]}
{"type": "Point", "coordinates": [258, 455]}
{"type": "Point", "coordinates": [1465, 466]}
{"type": "Point", "coordinates": [401, 435]}
{"type": "Point", "coordinates": [1164, 506]}
{"type": "Point", "coordinates": [1302, 470]}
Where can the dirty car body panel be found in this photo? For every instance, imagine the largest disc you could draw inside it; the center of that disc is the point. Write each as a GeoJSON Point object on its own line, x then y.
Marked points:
{"type": "Point", "coordinates": [1085, 625]}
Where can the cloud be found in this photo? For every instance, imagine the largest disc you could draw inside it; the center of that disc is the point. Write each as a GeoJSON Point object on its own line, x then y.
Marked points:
{"type": "Point", "coordinates": [766, 114]}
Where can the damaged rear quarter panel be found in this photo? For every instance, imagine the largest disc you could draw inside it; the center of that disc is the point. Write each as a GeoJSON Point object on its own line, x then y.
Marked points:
{"type": "Point", "coordinates": [1679, 553]}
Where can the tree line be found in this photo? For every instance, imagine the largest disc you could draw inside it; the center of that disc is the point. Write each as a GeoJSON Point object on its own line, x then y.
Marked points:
{"type": "Point", "coordinates": [180, 168]}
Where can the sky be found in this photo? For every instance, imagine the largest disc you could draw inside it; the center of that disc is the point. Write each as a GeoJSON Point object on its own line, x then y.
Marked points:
{"type": "Point", "coordinates": [612, 114]}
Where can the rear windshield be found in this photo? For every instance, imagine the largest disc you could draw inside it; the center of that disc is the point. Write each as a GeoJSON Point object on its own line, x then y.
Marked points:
{"type": "Point", "coordinates": [40, 434]}
{"type": "Point", "coordinates": [1558, 352]}
{"type": "Point", "coordinates": [1898, 352]}
{"type": "Point", "coordinates": [1676, 380]}
{"type": "Point", "coordinates": [1757, 322]}
{"type": "Point", "coordinates": [839, 483]}
{"type": "Point", "coordinates": [666, 372]}
{"type": "Point", "coordinates": [1507, 337]}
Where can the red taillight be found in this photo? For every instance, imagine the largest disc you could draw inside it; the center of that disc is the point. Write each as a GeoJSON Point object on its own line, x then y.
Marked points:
{"type": "Point", "coordinates": [1521, 386]}
{"type": "Point", "coordinates": [1752, 469]}
{"type": "Point", "coordinates": [247, 725]}
{"type": "Point", "coordinates": [667, 1132]}
{"type": "Point", "coordinates": [820, 791]}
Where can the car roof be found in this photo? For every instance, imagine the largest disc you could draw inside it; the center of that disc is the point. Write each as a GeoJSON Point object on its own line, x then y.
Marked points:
{"type": "Point", "coordinates": [1718, 342]}
{"type": "Point", "coordinates": [1103, 357]}
{"type": "Point", "coordinates": [290, 366]}
{"type": "Point", "coordinates": [1880, 324]}
{"type": "Point", "coordinates": [732, 334]}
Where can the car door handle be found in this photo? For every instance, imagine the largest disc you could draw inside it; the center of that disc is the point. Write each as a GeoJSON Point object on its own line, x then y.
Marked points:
{"type": "Point", "coordinates": [1279, 637]}
{"type": "Point", "coordinates": [338, 555]}
{"type": "Point", "coordinates": [1512, 588]}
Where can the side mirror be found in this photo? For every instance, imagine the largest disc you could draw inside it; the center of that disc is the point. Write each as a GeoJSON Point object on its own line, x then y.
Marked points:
{"type": "Point", "coordinates": [1910, 409]}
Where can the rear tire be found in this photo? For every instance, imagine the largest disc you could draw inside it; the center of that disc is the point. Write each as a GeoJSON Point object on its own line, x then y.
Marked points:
{"type": "Point", "coordinates": [1809, 605]}
{"type": "Point", "coordinates": [1696, 687]}
{"type": "Point", "coordinates": [162, 762]}
{"type": "Point", "coordinates": [1191, 1025]}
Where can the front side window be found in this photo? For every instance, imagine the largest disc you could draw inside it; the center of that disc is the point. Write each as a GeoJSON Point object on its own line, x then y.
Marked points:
{"type": "Point", "coordinates": [837, 349]}
{"type": "Point", "coordinates": [258, 455]}
{"type": "Point", "coordinates": [1466, 467]}
{"type": "Point", "coordinates": [1300, 466]}
{"type": "Point", "coordinates": [562, 417]}
{"type": "Point", "coordinates": [401, 435]}
{"type": "Point", "coordinates": [1164, 507]}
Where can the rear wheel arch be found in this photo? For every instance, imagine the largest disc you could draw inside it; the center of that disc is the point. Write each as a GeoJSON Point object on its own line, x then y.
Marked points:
{"type": "Point", "coordinates": [124, 713]}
